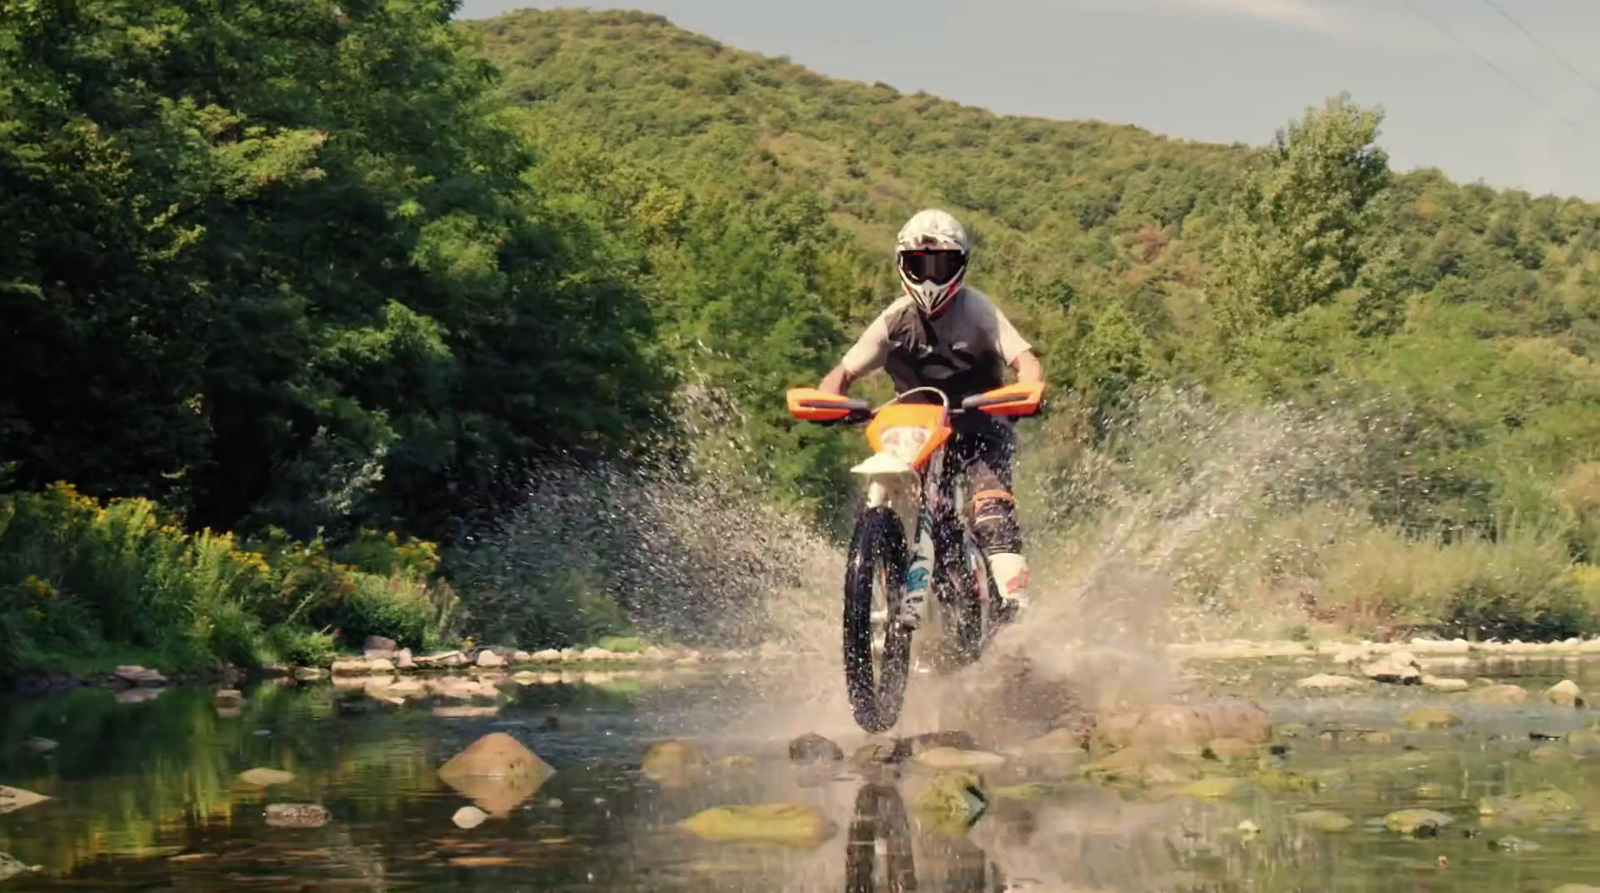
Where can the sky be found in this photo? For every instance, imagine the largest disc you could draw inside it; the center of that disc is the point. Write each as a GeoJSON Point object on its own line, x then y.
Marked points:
{"type": "Point", "coordinates": [1503, 91]}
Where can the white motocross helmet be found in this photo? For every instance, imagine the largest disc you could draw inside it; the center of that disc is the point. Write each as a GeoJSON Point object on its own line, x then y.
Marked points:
{"type": "Point", "coordinates": [931, 253]}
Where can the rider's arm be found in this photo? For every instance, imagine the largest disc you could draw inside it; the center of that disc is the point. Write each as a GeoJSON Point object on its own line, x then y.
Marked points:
{"type": "Point", "coordinates": [868, 353]}
{"type": "Point", "coordinates": [1028, 369]}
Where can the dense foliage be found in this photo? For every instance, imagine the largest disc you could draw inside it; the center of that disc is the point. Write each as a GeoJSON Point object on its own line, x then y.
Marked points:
{"type": "Point", "coordinates": [304, 270]}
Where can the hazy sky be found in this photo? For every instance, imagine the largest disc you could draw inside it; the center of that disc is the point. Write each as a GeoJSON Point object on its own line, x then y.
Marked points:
{"type": "Point", "coordinates": [1221, 70]}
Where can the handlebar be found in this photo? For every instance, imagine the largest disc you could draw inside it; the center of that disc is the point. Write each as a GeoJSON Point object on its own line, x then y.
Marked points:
{"type": "Point", "coordinates": [1012, 400]}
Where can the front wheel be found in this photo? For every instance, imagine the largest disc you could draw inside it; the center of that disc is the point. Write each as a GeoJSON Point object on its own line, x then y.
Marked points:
{"type": "Point", "coordinates": [877, 648]}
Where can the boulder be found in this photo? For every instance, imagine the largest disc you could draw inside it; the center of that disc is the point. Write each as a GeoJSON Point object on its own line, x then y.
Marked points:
{"type": "Point", "coordinates": [403, 660]}
{"type": "Point", "coordinates": [263, 778]}
{"type": "Point", "coordinates": [521, 657]}
{"type": "Point", "coordinates": [487, 658]}
{"type": "Point", "coordinates": [1396, 668]}
{"type": "Point", "coordinates": [812, 748]}
{"type": "Point", "coordinates": [352, 667]}
{"type": "Point", "coordinates": [1565, 693]}
{"type": "Point", "coordinates": [227, 697]}
{"type": "Point", "coordinates": [469, 817]}
{"type": "Point", "coordinates": [916, 744]}
{"type": "Point", "coordinates": [1500, 694]}
{"type": "Point", "coordinates": [466, 711]}
{"type": "Point", "coordinates": [308, 674]}
{"type": "Point", "coordinates": [1323, 820]}
{"type": "Point", "coordinates": [598, 654]}
{"type": "Point", "coordinates": [13, 799]}
{"type": "Point", "coordinates": [1431, 718]}
{"type": "Point", "coordinates": [1417, 822]}
{"type": "Point", "coordinates": [673, 760]}
{"type": "Point", "coordinates": [496, 772]}
{"type": "Point", "coordinates": [296, 815]}
{"type": "Point", "coordinates": [548, 655]}
{"type": "Point", "coordinates": [384, 646]}
{"type": "Point", "coordinates": [1329, 682]}
{"type": "Point", "coordinates": [1183, 727]}
{"type": "Point", "coordinates": [380, 665]}
{"type": "Point", "coordinates": [781, 824]}
{"type": "Point", "coordinates": [955, 758]}
{"type": "Point", "coordinates": [139, 676]}
{"type": "Point", "coordinates": [1538, 807]}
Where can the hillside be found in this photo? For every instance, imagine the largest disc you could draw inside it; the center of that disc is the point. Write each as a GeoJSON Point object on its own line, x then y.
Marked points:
{"type": "Point", "coordinates": [1108, 242]}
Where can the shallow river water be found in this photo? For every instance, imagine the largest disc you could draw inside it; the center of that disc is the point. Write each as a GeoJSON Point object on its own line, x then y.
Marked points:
{"type": "Point", "coordinates": [145, 796]}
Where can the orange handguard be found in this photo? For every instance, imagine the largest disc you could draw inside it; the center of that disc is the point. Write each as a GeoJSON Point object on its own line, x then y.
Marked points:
{"type": "Point", "coordinates": [1012, 400]}
{"type": "Point", "coordinates": [812, 405]}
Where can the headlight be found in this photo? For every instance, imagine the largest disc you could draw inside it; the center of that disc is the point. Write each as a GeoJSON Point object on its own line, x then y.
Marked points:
{"type": "Point", "coordinates": [904, 443]}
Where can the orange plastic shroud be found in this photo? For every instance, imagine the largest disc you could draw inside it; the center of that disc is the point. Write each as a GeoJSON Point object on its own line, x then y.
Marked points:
{"type": "Point", "coordinates": [929, 416]}
{"type": "Point", "coordinates": [812, 405]}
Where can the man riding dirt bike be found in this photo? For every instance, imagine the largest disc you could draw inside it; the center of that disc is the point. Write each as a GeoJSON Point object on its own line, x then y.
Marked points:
{"type": "Point", "coordinates": [944, 337]}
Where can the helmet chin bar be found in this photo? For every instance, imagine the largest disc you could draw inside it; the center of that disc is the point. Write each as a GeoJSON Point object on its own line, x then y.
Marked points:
{"type": "Point", "coordinates": [933, 299]}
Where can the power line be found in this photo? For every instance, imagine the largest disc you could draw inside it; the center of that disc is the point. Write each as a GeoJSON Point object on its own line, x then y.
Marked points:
{"type": "Point", "coordinates": [1593, 87]}
{"type": "Point", "coordinates": [1497, 69]}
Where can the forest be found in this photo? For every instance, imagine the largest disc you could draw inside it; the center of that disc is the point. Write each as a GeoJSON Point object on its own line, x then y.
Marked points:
{"type": "Point", "coordinates": [302, 300]}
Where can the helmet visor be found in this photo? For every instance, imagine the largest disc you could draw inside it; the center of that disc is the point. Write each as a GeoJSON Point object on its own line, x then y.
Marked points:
{"type": "Point", "coordinates": [938, 267]}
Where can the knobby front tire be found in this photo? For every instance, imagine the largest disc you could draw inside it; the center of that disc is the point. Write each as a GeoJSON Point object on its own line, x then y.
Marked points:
{"type": "Point", "coordinates": [877, 556]}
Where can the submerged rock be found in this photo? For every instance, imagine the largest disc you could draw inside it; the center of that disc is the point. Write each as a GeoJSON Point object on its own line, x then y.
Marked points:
{"type": "Point", "coordinates": [263, 777]}
{"type": "Point", "coordinates": [13, 799]}
{"type": "Point", "coordinates": [1214, 787]}
{"type": "Point", "coordinates": [1285, 781]}
{"type": "Point", "coordinates": [1323, 820]}
{"type": "Point", "coordinates": [782, 824]}
{"type": "Point", "coordinates": [739, 763]}
{"type": "Point", "coordinates": [469, 817]}
{"type": "Point", "coordinates": [1565, 693]}
{"type": "Point", "coordinates": [955, 758]}
{"type": "Point", "coordinates": [1417, 822]}
{"type": "Point", "coordinates": [953, 798]}
{"type": "Point", "coordinates": [812, 748]}
{"type": "Point", "coordinates": [1330, 682]}
{"type": "Point", "coordinates": [496, 772]}
{"type": "Point", "coordinates": [1514, 845]}
{"type": "Point", "coordinates": [1548, 805]}
{"type": "Point", "coordinates": [1141, 765]}
{"type": "Point", "coordinates": [1445, 683]}
{"type": "Point", "coordinates": [878, 752]}
{"type": "Point", "coordinates": [1431, 718]}
{"type": "Point", "coordinates": [672, 760]}
{"type": "Point", "coordinates": [1500, 694]}
{"type": "Point", "coordinates": [297, 815]}
{"type": "Point", "coordinates": [1183, 726]}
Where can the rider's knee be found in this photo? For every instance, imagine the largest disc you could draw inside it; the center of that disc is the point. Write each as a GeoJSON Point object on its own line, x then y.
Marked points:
{"type": "Point", "coordinates": [994, 521]}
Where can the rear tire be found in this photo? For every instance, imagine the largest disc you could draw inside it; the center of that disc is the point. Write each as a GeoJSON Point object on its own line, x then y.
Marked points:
{"type": "Point", "coordinates": [877, 683]}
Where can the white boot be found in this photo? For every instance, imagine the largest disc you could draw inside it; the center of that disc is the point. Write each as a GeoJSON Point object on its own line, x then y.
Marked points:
{"type": "Point", "coordinates": [1010, 582]}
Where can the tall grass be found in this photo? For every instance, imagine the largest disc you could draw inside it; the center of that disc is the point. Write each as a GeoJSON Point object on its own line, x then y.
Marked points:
{"type": "Point", "coordinates": [80, 578]}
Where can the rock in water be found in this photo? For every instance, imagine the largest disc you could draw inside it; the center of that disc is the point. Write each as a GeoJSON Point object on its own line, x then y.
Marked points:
{"type": "Point", "coordinates": [1323, 820]}
{"type": "Point", "coordinates": [952, 758]}
{"type": "Point", "coordinates": [136, 675]}
{"type": "Point", "coordinates": [1431, 718]}
{"type": "Point", "coordinates": [1565, 694]}
{"type": "Point", "coordinates": [10, 867]}
{"type": "Point", "coordinates": [1500, 694]}
{"type": "Point", "coordinates": [928, 740]}
{"type": "Point", "coordinates": [1330, 682]}
{"type": "Point", "coordinates": [496, 772]}
{"type": "Point", "coordinates": [1215, 787]}
{"type": "Point", "coordinates": [672, 761]}
{"type": "Point", "coordinates": [1224, 749]}
{"type": "Point", "coordinates": [227, 697]}
{"type": "Point", "coordinates": [13, 799]}
{"type": "Point", "coordinates": [262, 778]}
{"type": "Point", "coordinates": [782, 824]}
{"type": "Point", "coordinates": [1548, 805]}
{"type": "Point", "coordinates": [1397, 667]}
{"type": "Point", "coordinates": [1514, 845]}
{"type": "Point", "coordinates": [1417, 822]}
{"type": "Point", "coordinates": [1183, 726]}
{"type": "Point", "coordinates": [1445, 683]}
{"type": "Point", "coordinates": [469, 817]}
{"type": "Point", "coordinates": [490, 659]}
{"type": "Point", "coordinates": [296, 815]}
{"type": "Point", "coordinates": [953, 798]}
{"type": "Point", "coordinates": [307, 674]}
{"type": "Point", "coordinates": [352, 667]}
{"type": "Point", "coordinates": [1056, 741]}
{"type": "Point", "coordinates": [813, 748]}
{"type": "Point", "coordinates": [403, 660]}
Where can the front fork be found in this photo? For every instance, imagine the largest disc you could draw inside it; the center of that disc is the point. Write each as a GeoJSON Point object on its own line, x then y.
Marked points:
{"type": "Point", "coordinates": [911, 497]}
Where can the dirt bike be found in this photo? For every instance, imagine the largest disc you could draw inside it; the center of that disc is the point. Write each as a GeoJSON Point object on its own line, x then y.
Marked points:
{"type": "Point", "coordinates": [905, 503]}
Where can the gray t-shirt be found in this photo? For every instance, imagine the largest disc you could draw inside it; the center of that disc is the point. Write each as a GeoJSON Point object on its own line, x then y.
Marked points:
{"type": "Point", "coordinates": [964, 351]}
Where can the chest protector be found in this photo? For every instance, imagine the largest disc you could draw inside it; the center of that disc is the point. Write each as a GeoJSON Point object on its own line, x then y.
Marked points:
{"type": "Point", "coordinates": [921, 356]}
